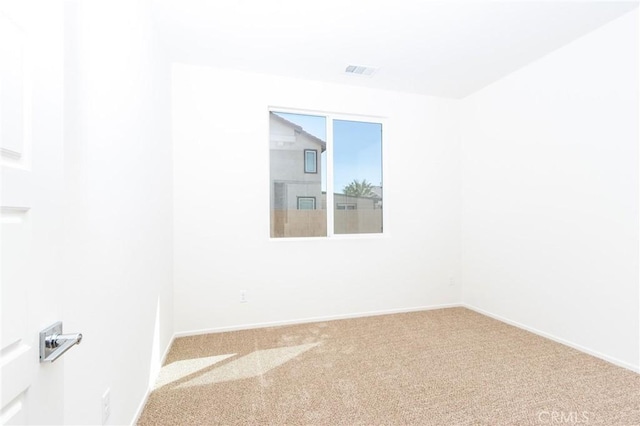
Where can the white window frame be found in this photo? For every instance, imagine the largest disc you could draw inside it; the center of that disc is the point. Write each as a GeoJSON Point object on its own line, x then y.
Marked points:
{"type": "Point", "coordinates": [330, 117]}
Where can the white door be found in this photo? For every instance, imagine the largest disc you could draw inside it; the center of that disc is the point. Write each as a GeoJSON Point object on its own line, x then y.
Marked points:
{"type": "Point", "coordinates": [31, 157]}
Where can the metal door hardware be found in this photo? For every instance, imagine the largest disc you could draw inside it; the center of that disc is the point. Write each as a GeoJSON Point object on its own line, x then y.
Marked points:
{"type": "Point", "coordinates": [53, 343]}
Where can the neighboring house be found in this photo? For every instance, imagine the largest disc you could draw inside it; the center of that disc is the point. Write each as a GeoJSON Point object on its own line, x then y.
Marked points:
{"type": "Point", "coordinates": [349, 202]}
{"type": "Point", "coordinates": [295, 166]}
{"type": "Point", "coordinates": [295, 173]}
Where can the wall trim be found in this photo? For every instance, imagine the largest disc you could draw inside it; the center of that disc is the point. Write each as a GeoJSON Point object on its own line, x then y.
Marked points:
{"type": "Point", "coordinates": [612, 360]}
{"type": "Point", "coordinates": [145, 398]}
{"type": "Point", "coordinates": [314, 319]}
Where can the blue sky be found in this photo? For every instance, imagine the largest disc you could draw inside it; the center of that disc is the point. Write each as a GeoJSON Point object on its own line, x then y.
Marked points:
{"type": "Point", "coordinates": [357, 152]}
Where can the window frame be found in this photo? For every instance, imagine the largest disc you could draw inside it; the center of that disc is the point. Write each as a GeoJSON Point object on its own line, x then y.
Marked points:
{"type": "Point", "coordinates": [330, 200]}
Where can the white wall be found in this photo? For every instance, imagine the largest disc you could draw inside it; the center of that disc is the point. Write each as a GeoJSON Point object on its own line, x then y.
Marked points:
{"type": "Point", "coordinates": [549, 211]}
{"type": "Point", "coordinates": [550, 194]}
{"type": "Point", "coordinates": [221, 206]}
{"type": "Point", "coordinates": [119, 218]}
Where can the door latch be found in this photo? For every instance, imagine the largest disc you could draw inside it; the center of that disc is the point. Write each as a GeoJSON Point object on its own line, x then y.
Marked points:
{"type": "Point", "coordinates": [53, 343]}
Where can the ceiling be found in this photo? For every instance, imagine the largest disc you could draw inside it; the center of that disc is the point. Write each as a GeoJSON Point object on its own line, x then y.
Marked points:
{"type": "Point", "coordinates": [440, 48]}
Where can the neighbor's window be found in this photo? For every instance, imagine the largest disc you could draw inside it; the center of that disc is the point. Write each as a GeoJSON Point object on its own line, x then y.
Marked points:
{"type": "Point", "coordinates": [346, 175]}
{"type": "Point", "coordinates": [306, 203]}
{"type": "Point", "coordinates": [310, 161]}
{"type": "Point", "coordinates": [345, 206]}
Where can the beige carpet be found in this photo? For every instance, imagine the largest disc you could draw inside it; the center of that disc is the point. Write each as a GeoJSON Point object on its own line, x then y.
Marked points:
{"type": "Point", "coordinates": [441, 367]}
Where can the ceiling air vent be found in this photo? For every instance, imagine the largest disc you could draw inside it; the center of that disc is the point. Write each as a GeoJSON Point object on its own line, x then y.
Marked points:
{"type": "Point", "coordinates": [360, 70]}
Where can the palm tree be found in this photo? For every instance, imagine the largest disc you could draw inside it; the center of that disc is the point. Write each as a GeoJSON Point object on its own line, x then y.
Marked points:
{"type": "Point", "coordinates": [359, 189]}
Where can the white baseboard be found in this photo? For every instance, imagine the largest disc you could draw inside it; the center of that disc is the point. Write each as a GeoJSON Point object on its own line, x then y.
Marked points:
{"type": "Point", "coordinates": [314, 319]}
{"type": "Point", "coordinates": [634, 368]}
{"type": "Point", "coordinates": [142, 404]}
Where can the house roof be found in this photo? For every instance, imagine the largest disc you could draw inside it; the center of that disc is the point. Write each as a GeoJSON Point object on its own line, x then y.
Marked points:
{"type": "Point", "coordinates": [299, 129]}
{"type": "Point", "coordinates": [377, 190]}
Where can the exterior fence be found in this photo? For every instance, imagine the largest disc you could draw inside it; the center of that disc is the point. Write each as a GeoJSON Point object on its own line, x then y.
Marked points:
{"type": "Point", "coordinates": [313, 223]}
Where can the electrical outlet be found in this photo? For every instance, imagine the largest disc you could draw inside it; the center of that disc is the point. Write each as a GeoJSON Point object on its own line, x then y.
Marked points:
{"type": "Point", "coordinates": [243, 296]}
{"type": "Point", "coordinates": [106, 405]}
{"type": "Point", "coordinates": [451, 281]}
